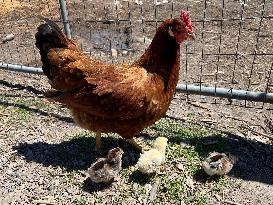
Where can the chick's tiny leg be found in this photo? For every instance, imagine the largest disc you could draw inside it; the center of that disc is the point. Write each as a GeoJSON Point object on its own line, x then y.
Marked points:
{"type": "Point", "coordinates": [98, 141]}
{"type": "Point", "coordinates": [137, 145]}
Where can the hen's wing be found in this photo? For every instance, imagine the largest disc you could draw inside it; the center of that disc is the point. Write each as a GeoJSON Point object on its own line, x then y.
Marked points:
{"type": "Point", "coordinates": [67, 68]}
{"type": "Point", "coordinates": [103, 90]}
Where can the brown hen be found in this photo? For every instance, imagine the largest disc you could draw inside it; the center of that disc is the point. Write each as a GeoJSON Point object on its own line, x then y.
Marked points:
{"type": "Point", "coordinates": [119, 98]}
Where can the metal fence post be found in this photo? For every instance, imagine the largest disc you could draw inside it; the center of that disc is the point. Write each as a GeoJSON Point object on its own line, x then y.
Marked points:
{"type": "Point", "coordinates": [64, 14]}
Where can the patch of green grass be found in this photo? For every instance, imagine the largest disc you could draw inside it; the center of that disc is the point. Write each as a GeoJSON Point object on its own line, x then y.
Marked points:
{"type": "Point", "coordinates": [72, 178]}
{"type": "Point", "coordinates": [79, 201]}
{"type": "Point", "coordinates": [156, 202]}
{"type": "Point", "coordinates": [189, 145]}
{"type": "Point", "coordinates": [183, 143]}
{"type": "Point", "coordinates": [41, 104]}
{"type": "Point", "coordinates": [201, 199]}
{"type": "Point", "coordinates": [223, 182]}
{"type": "Point", "coordinates": [33, 102]}
{"type": "Point", "coordinates": [176, 133]}
{"type": "Point", "coordinates": [22, 114]}
{"type": "Point", "coordinates": [175, 188]}
{"type": "Point", "coordinates": [219, 183]}
{"type": "Point", "coordinates": [2, 109]}
{"type": "Point", "coordinates": [16, 114]}
{"type": "Point", "coordinates": [22, 108]}
{"type": "Point", "coordinates": [190, 115]}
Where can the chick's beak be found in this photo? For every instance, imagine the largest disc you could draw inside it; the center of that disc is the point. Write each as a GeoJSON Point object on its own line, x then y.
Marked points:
{"type": "Point", "coordinates": [191, 36]}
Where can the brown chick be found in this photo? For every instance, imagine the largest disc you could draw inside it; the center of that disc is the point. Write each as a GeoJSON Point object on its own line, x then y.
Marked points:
{"type": "Point", "coordinates": [218, 163]}
{"type": "Point", "coordinates": [117, 98]}
{"type": "Point", "coordinates": [106, 169]}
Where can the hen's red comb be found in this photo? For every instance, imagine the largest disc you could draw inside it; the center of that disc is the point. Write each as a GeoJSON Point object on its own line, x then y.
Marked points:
{"type": "Point", "coordinates": [185, 16]}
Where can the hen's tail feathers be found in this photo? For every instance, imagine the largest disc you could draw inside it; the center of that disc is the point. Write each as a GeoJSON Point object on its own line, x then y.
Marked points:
{"type": "Point", "coordinates": [49, 36]}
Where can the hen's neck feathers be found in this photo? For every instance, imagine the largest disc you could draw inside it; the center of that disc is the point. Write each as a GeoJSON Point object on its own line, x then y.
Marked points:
{"type": "Point", "coordinates": [162, 56]}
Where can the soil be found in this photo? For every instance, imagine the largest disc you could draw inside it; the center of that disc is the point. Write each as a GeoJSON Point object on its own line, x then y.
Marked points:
{"type": "Point", "coordinates": [250, 123]}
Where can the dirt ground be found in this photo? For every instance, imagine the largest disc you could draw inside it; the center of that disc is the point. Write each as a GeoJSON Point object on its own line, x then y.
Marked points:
{"type": "Point", "coordinates": [247, 125]}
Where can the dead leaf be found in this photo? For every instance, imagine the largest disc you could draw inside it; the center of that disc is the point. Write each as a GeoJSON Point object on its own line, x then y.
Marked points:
{"type": "Point", "coordinates": [189, 182]}
{"type": "Point", "coordinates": [148, 188]}
{"type": "Point", "coordinates": [218, 197]}
{"type": "Point", "coordinates": [180, 167]}
{"type": "Point", "coordinates": [182, 203]}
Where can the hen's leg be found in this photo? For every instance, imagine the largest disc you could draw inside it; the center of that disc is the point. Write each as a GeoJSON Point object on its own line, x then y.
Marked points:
{"type": "Point", "coordinates": [137, 145]}
{"type": "Point", "coordinates": [98, 141]}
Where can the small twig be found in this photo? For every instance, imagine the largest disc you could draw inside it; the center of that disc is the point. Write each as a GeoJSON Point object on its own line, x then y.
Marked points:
{"type": "Point", "coordinates": [208, 121]}
{"type": "Point", "coordinates": [261, 126]}
{"type": "Point", "coordinates": [259, 86]}
{"type": "Point", "coordinates": [176, 118]}
{"type": "Point", "coordinates": [10, 153]}
{"type": "Point", "coordinates": [236, 118]}
{"type": "Point", "coordinates": [195, 104]}
{"type": "Point", "coordinates": [43, 202]}
{"type": "Point", "coordinates": [230, 202]}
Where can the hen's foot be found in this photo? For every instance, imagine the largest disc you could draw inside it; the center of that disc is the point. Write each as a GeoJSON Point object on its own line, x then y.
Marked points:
{"type": "Point", "coordinates": [98, 142]}
{"type": "Point", "coordinates": [138, 145]}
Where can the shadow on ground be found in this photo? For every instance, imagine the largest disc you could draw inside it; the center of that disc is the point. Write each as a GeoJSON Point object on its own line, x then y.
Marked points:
{"type": "Point", "coordinates": [255, 159]}
{"type": "Point", "coordinates": [22, 87]}
{"type": "Point", "coordinates": [90, 186]}
{"type": "Point", "coordinates": [75, 154]}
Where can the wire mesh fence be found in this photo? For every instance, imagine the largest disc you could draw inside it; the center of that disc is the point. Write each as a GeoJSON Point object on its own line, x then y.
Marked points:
{"type": "Point", "coordinates": [233, 48]}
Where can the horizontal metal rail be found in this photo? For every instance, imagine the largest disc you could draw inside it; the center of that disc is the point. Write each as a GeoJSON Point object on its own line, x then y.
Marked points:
{"type": "Point", "coordinates": [225, 93]}
{"type": "Point", "coordinates": [191, 53]}
{"type": "Point", "coordinates": [112, 21]}
{"type": "Point", "coordinates": [21, 68]}
{"type": "Point", "coordinates": [182, 88]}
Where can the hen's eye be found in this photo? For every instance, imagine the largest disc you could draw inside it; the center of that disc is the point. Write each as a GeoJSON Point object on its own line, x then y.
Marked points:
{"type": "Point", "coordinates": [170, 31]}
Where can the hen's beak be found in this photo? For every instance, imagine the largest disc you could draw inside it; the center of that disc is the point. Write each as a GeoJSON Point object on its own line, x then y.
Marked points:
{"type": "Point", "coordinates": [191, 36]}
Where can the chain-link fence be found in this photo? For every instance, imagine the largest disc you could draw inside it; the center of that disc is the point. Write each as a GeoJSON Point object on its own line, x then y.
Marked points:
{"type": "Point", "coordinates": [233, 48]}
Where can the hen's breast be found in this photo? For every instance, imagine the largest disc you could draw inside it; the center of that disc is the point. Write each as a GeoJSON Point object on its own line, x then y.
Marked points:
{"type": "Point", "coordinates": [126, 127]}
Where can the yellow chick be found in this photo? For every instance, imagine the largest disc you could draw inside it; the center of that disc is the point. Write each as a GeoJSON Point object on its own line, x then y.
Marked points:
{"type": "Point", "coordinates": [150, 160]}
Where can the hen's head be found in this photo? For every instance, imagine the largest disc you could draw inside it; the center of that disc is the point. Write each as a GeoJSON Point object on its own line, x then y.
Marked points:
{"type": "Point", "coordinates": [181, 27]}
